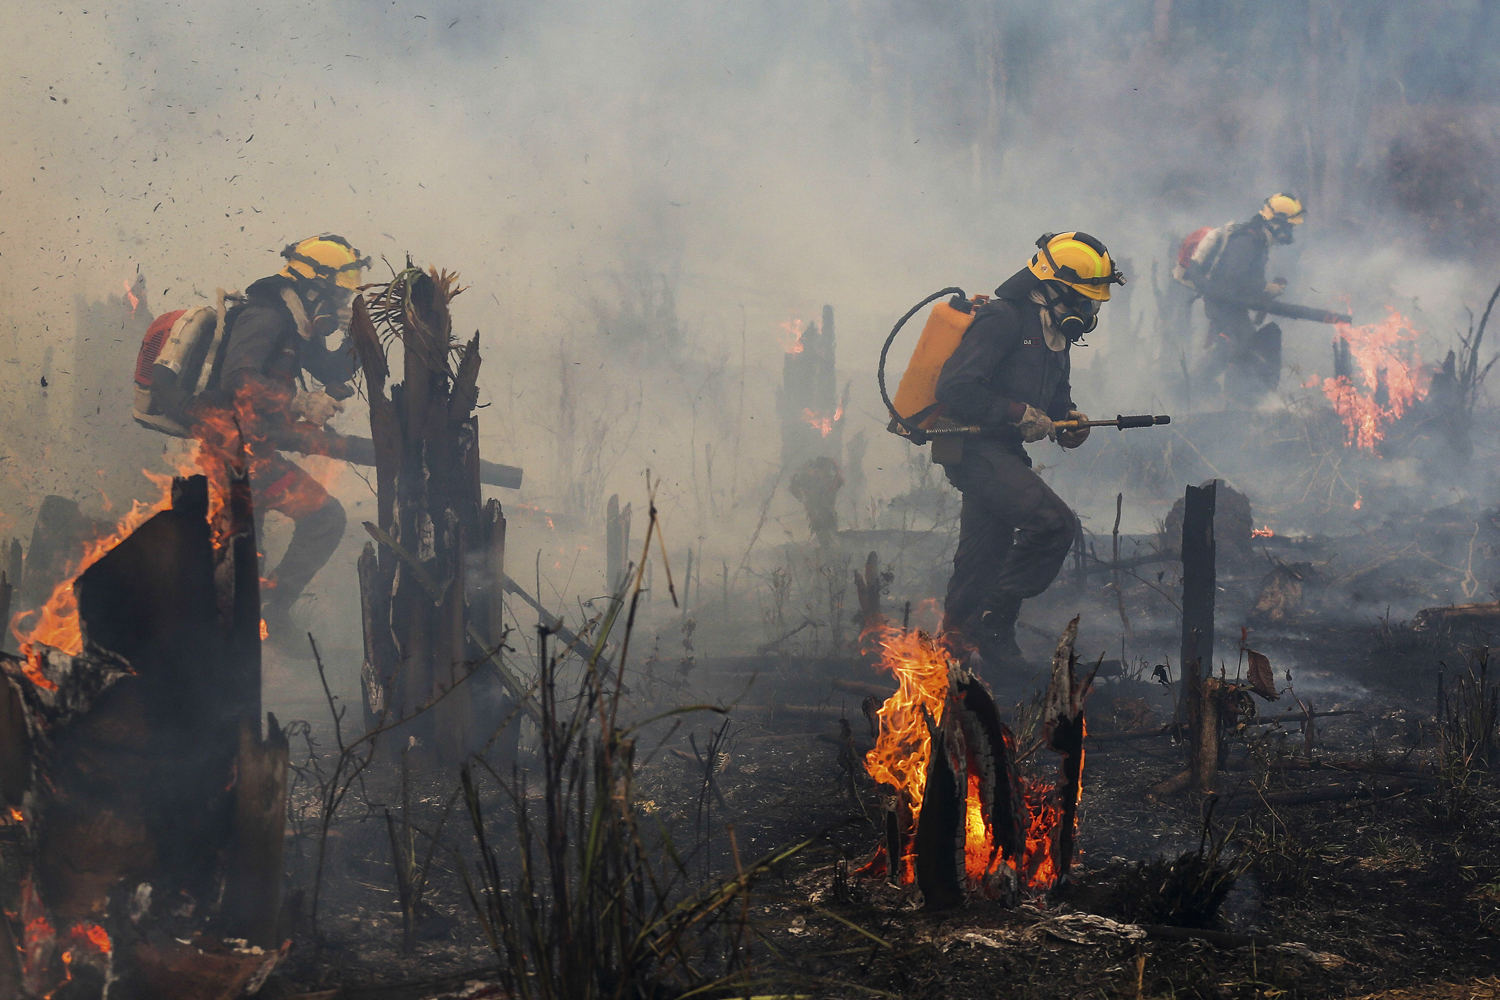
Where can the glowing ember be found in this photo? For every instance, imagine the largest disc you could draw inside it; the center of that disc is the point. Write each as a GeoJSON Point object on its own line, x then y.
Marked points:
{"type": "Point", "coordinates": [129, 294]}
{"type": "Point", "coordinates": [31, 666]}
{"type": "Point", "coordinates": [791, 340]}
{"type": "Point", "coordinates": [822, 421]}
{"type": "Point", "coordinates": [16, 815]}
{"type": "Point", "coordinates": [1265, 532]}
{"type": "Point", "coordinates": [1389, 378]}
{"type": "Point", "coordinates": [265, 633]}
{"type": "Point", "coordinates": [91, 936]}
{"type": "Point", "coordinates": [38, 939]}
{"type": "Point", "coordinates": [904, 747]}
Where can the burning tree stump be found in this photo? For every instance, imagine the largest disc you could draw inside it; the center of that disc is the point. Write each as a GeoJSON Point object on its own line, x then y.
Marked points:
{"type": "Point", "coordinates": [60, 533]}
{"type": "Point", "coordinates": [811, 412]}
{"type": "Point", "coordinates": [974, 814]}
{"type": "Point", "coordinates": [431, 583]}
{"type": "Point", "coordinates": [812, 424]}
{"type": "Point", "coordinates": [152, 810]}
{"type": "Point", "coordinates": [959, 816]}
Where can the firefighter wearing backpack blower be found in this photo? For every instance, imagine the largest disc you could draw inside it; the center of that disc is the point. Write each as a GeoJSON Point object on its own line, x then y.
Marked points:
{"type": "Point", "coordinates": [281, 330]}
{"type": "Point", "coordinates": [1228, 268]}
{"type": "Point", "coordinates": [1009, 375]}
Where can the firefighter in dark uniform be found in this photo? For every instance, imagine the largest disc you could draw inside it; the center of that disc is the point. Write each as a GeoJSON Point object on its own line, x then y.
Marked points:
{"type": "Point", "coordinates": [280, 332]}
{"type": "Point", "coordinates": [1247, 354]}
{"type": "Point", "coordinates": [1010, 375]}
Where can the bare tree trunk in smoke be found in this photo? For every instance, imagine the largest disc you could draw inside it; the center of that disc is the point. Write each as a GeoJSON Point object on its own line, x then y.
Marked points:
{"type": "Point", "coordinates": [429, 626]}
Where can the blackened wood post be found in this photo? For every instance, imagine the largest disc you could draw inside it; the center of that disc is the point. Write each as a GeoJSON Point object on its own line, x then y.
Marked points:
{"type": "Point", "coordinates": [938, 839]}
{"type": "Point", "coordinates": [426, 626]}
{"type": "Point", "coordinates": [15, 566]}
{"type": "Point", "coordinates": [614, 546]}
{"type": "Point", "coordinates": [6, 590]}
{"type": "Point", "coordinates": [252, 891]}
{"type": "Point", "coordinates": [1205, 739]}
{"type": "Point", "coordinates": [1199, 579]}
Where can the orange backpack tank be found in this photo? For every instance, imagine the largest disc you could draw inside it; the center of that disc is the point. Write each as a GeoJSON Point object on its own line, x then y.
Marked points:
{"type": "Point", "coordinates": [915, 408]}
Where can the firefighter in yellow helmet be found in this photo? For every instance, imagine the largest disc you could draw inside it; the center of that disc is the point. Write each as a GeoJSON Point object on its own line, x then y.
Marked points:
{"type": "Point", "coordinates": [1010, 375]}
{"type": "Point", "coordinates": [1247, 354]}
{"type": "Point", "coordinates": [281, 333]}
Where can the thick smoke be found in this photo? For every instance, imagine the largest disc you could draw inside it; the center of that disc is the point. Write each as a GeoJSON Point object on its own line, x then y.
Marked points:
{"type": "Point", "coordinates": [639, 194]}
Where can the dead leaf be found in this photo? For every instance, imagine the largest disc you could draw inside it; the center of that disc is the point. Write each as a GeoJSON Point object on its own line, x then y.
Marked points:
{"type": "Point", "coordinates": [1261, 681]}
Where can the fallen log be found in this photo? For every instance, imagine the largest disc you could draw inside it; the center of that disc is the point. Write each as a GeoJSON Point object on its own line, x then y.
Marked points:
{"type": "Point", "coordinates": [1220, 939]}
{"type": "Point", "coordinates": [1484, 616]}
{"type": "Point", "coordinates": [1341, 793]}
{"type": "Point", "coordinates": [1350, 766]}
{"type": "Point", "coordinates": [1267, 720]}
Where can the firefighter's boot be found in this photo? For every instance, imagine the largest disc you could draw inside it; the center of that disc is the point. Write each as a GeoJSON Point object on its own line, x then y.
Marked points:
{"type": "Point", "coordinates": [995, 634]}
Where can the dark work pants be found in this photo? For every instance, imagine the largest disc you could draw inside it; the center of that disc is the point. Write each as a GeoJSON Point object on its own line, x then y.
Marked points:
{"type": "Point", "coordinates": [319, 520]}
{"type": "Point", "coordinates": [1248, 357]}
{"type": "Point", "coordinates": [1014, 533]}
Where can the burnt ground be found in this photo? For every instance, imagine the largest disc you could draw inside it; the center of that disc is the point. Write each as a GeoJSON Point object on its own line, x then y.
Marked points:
{"type": "Point", "coordinates": [1364, 863]}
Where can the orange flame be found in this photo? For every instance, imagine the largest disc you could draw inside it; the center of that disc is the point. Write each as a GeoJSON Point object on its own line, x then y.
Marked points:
{"type": "Point", "coordinates": [38, 939]}
{"type": "Point", "coordinates": [1265, 532]}
{"type": "Point", "coordinates": [904, 748]}
{"type": "Point", "coordinates": [822, 421]}
{"type": "Point", "coordinates": [91, 936]}
{"type": "Point", "coordinates": [16, 815]}
{"type": "Point", "coordinates": [904, 745]}
{"type": "Point", "coordinates": [791, 340]}
{"type": "Point", "coordinates": [57, 621]}
{"type": "Point", "coordinates": [265, 633]}
{"type": "Point", "coordinates": [215, 450]}
{"type": "Point", "coordinates": [130, 294]}
{"type": "Point", "coordinates": [1388, 366]}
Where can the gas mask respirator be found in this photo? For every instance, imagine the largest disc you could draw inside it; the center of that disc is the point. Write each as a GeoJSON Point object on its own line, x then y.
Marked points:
{"type": "Point", "coordinates": [1073, 314]}
{"type": "Point", "coordinates": [1282, 231]}
{"type": "Point", "coordinates": [330, 311]}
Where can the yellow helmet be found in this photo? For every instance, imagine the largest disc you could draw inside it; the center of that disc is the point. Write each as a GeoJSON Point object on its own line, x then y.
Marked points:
{"type": "Point", "coordinates": [326, 258]}
{"type": "Point", "coordinates": [1283, 211]}
{"type": "Point", "coordinates": [1078, 261]}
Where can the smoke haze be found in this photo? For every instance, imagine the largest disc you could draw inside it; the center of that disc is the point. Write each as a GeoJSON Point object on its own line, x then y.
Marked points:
{"type": "Point", "coordinates": [639, 194]}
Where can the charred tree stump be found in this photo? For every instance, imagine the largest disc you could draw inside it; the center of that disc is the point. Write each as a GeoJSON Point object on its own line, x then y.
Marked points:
{"type": "Point", "coordinates": [1199, 579]}
{"type": "Point", "coordinates": [15, 571]}
{"type": "Point", "coordinates": [867, 587]}
{"type": "Point", "coordinates": [430, 626]}
{"type": "Point", "coordinates": [140, 776]}
{"type": "Point", "coordinates": [939, 839]}
{"type": "Point", "coordinates": [6, 591]}
{"type": "Point", "coordinates": [1207, 713]}
{"type": "Point", "coordinates": [1064, 728]}
{"type": "Point", "coordinates": [60, 533]}
{"type": "Point", "coordinates": [812, 415]}
{"type": "Point", "coordinates": [616, 543]}
{"type": "Point", "coordinates": [973, 767]}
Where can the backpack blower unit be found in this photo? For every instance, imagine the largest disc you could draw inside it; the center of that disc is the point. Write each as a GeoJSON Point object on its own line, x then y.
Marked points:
{"type": "Point", "coordinates": [916, 413]}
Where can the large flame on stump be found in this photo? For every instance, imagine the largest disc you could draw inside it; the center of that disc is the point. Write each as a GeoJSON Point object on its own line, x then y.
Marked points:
{"type": "Point", "coordinates": [56, 624]}
{"type": "Point", "coordinates": [903, 751]}
{"type": "Point", "coordinates": [224, 439]}
{"type": "Point", "coordinates": [1388, 378]}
